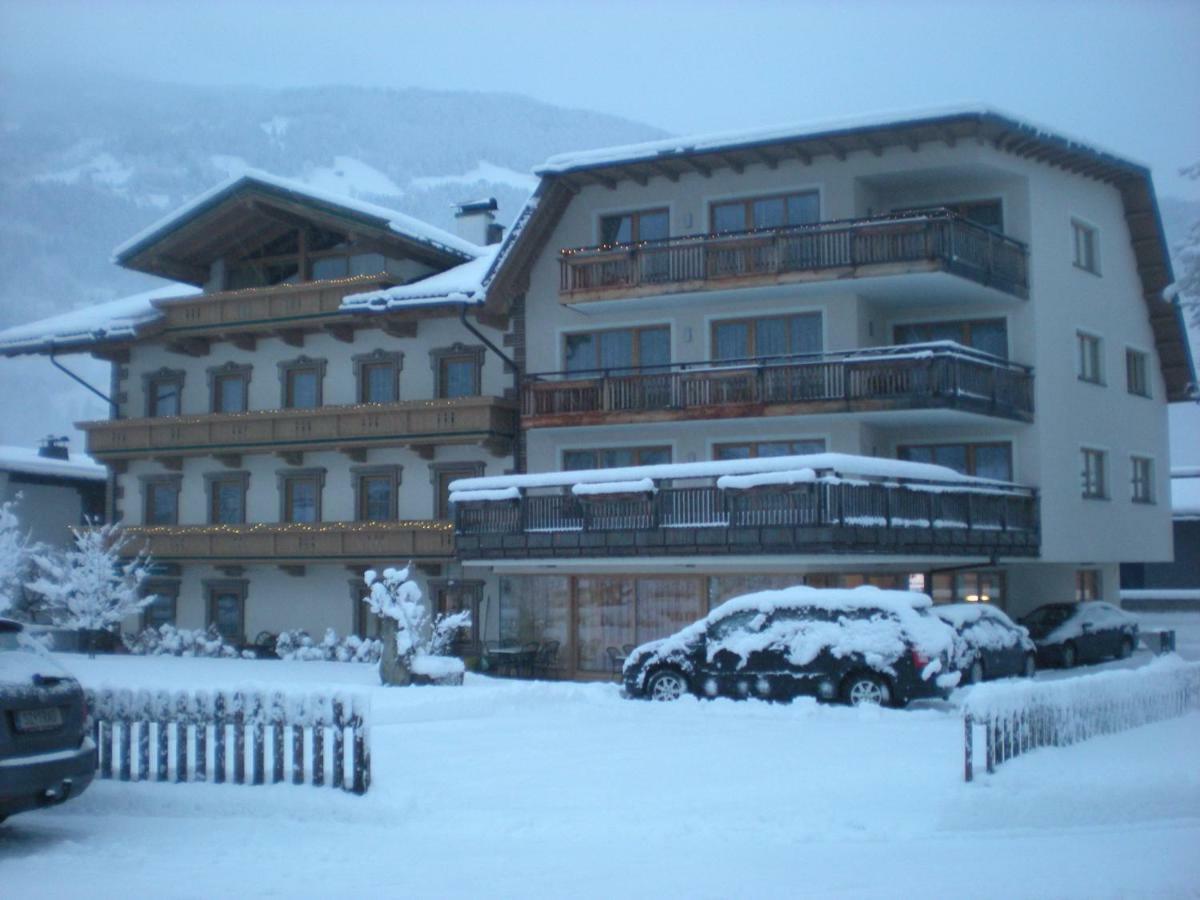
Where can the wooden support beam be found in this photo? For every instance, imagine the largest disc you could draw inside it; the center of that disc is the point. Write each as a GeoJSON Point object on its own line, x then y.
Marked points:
{"type": "Point", "coordinates": [639, 178]}
{"type": "Point", "coordinates": [873, 146]}
{"type": "Point", "coordinates": [733, 163]}
{"type": "Point", "coordinates": [771, 162]}
{"type": "Point", "coordinates": [243, 341]}
{"type": "Point", "coordinates": [293, 337]}
{"type": "Point", "coordinates": [229, 460]}
{"type": "Point", "coordinates": [425, 451]}
{"type": "Point", "coordinates": [949, 138]}
{"type": "Point", "coordinates": [292, 457]}
{"type": "Point", "coordinates": [190, 346]}
{"type": "Point", "coordinates": [115, 355]}
{"type": "Point", "coordinates": [355, 454]}
{"type": "Point", "coordinates": [610, 183]}
{"type": "Point", "coordinates": [171, 463]}
{"type": "Point", "coordinates": [341, 332]}
{"type": "Point", "coordinates": [667, 172]}
{"type": "Point", "coordinates": [400, 329]}
{"type": "Point", "coordinates": [430, 569]}
{"type": "Point", "coordinates": [294, 571]}
{"type": "Point", "coordinates": [702, 169]}
{"type": "Point", "coordinates": [231, 571]}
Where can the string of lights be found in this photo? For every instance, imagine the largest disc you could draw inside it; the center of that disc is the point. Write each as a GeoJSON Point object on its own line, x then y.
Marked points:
{"type": "Point", "coordinates": [269, 528]}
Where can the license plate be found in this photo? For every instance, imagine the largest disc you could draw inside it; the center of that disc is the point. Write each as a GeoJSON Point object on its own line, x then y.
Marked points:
{"type": "Point", "coordinates": [45, 719]}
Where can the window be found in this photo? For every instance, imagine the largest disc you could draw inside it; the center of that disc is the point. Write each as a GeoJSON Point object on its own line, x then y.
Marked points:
{"type": "Point", "coordinates": [632, 227]}
{"type": "Point", "coordinates": [615, 457]}
{"type": "Point", "coordinates": [228, 387]}
{"type": "Point", "coordinates": [1090, 360]}
{"type": "Point", "coordinates": [302, 380]}
{"type": "Point", "coordinates": [1087, 585]}
{"type": "Point", "coordinates": [442, 476]}
{"type": "Point", "coordinates": [164, 393]}
{"type": "Point", "coordinates": [1143, 479]}
{"type": "Point", "coordinates": [458, 371]}
{"type": "Point", "coordinates": [378, 376]}
{"type": "Point", "coordinates": [622, 348]}
{"type": "Point", "coordinates": [1137, 376]}
{"type": "Point", "coordinates": [1095, 480]}
{"type": "Point", "coordinates": [986, 335]}
{"type": "Point", "coordinates": [161, 610]}
{"type": "Point", "coordinates": [227, 609]}
{"type": "Point", "coordinates": [227, 497]}
{"type": "Point", "coordinates": [455, 596]}
{"type": "Point", "coordinates": [969, 587]}
{"type": "Point", "coordinates": [766, 212]}
{"type": "Point", "coordinates": [376, 490]}
{"type": "Point", "coordinates": [160, 494]}
{"type": "Point", "coordinates": [988, 213]}
{"type": "Point", "coordinates": [366, 623]}
{"type": "Point", "coordinates": [1084, 237]}
{"type": "Point", "coordinates": [300, 495]}
{"type": "Point", "coordinates": [755, 449]}
{"type": "Point", "coordinates": [981, 460]}
{"type": "Point", "coordinates": [770, 336]}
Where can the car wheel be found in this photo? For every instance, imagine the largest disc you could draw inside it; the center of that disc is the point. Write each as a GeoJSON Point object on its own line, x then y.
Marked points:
{"type": "Point", "coordinates": [1029, 669]}
{"type": "Point", "coordinates": [666, 684]}
{"type": "Point", "coordinates": [975, 673]}
{"type": "Point", "coordinates": [1069, 656]}
{"type": "Point", "coordinates": [1126, 650]}
{"type": "Point", "coordinates": [863, 689]}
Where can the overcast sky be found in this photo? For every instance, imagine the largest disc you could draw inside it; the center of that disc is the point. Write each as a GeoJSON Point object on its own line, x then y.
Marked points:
{"type": "Point", "coordinates": [1123, 75]}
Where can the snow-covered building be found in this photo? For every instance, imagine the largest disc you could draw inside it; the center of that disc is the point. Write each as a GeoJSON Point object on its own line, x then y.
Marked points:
{"type": "Point", "coordinates": [53, 490]}
{"type": "Point", "coordinates": [1175, 584]}
{"type": "Point", "coordinates": [290, 411]}
{"type": "Point", "coordinates": [757, 329]}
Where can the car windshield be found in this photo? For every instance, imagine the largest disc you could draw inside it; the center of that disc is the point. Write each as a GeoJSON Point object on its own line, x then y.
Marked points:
{"type": "Point", "coordinates": [733, 622]}
{"type": "Point", "coordinates": [1049, 616]}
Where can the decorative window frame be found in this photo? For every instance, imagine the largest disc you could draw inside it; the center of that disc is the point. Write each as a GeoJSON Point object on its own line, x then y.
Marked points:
{"type": "Point", "coordinates": [302, 363]}
{"type": "Point", "coordinates": [150, 379]}
{"type": "Point", "coordinates": [474, 588]}
{"type": "Point", "coordinates": [210, 481]}
{"type": "Point", "coordinates": [283, 476]}
{"type": "Point", "coordinates": [436, 470]}
{"type": "Point", "coordinates": [394, 473]}
{"type": "Point", "coordinates": [241, 370]}
{"type": "Point", "coordinates": [377, 356]}
{"type": "Point", "coordinates": [475, 352]}
{"type": "Point", "coordinates": [173, 483]}
{"type": "Point", "coordinates": [165, 588]}
{"type": "Point", "coordinates": [214, 586]}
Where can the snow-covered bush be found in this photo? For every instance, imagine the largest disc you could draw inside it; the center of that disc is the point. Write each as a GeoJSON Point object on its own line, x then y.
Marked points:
{"type": "Point", "coordinates": [167, 640]}
{"type": "Point", "coordinates": [299, 645]}
{"type": "Point", "coordinates": [398, 602]}
{"type": "Point", "coordinates": [15, 555]}
{"type": "Point", "coordinates": [87, 587]}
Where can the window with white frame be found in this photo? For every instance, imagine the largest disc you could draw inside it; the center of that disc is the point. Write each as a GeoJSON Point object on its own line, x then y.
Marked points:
{"type": "Point", "coordinates": [1095, 479]}
{"type": "Point", "coordinates": [1137, 373]}
{"type": "Point", "coordinates": [1143, 479]}
{"type": "Point", "coordinates": [1084, 237]}
{"type": "Point", "coordinates": [1089, 359]}
{"type": "Point", "coordinates": [1087, 585]}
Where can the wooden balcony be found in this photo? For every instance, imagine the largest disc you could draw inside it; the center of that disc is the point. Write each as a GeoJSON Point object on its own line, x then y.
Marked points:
{"type": "Point", "coordinates": [421, 424]}
{"type": "Point", "coordinates": [852, 248]}
{"type": "Point", "coordinates": [920, 376]}
{"type": "Point", "coordinates": [825, 516]}
{"type": "Point", "coordinates": [296, 544]}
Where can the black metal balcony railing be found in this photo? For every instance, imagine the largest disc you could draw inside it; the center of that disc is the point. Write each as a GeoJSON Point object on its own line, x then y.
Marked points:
{"type": "Point", "coordinates": [916, 376]}
{"type": "Point", "coordinates": [858, 515]}
{"type": "Point", "coordinates": [939, 237]}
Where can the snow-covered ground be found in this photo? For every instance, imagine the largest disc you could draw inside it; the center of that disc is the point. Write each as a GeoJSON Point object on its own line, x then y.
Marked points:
{"type": "Point", "coordinates": [510, 788]}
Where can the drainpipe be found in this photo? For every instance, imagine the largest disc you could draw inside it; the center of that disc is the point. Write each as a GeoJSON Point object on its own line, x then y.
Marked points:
{"type": "Point", "coordinates": [112, 406]}
{"type": "Point", "coordinates": [462, 317]}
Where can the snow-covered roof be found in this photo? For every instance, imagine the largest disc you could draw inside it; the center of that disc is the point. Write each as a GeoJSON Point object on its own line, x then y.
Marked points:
{"type": "Point", "coordinates": [843, 464]}
{"type": "Point", "coordinates": [725, 140]}
{"type": "Point", "coordinates": [114, 320]}
{"type": "Point", "coordinates": [1185, 493]}
{"type": "Point", "coordinates": [27, 461]}
{"type": "Point", "coordinates": [461, 284]}
{"type": "Point", "coordinates": [404, 225]}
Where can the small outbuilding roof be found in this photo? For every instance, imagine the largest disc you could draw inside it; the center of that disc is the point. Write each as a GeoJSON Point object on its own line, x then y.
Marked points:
{"type": "Point", "coordinates": [28, 461]}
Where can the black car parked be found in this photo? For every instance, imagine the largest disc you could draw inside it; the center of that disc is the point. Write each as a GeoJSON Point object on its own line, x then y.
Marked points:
{"type": "Point", "coordinates": [45, 755]}
{"type": "Point", "coordinates": [1067, 634]}
{"type": "Point", "coordinates": [864, 645]}
{"type": "Point", "coordinates": [988, 643]}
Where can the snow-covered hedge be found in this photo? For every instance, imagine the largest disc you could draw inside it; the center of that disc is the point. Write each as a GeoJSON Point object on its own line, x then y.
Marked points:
{"type": "Point", "coordinates": [167, 640]}
{"type": "Point", "coordinates": [299, 645]}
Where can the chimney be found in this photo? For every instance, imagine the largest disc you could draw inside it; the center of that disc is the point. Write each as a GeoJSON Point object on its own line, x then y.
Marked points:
{"type": "Point", "coordinates": [475, 221]}
{"type": "Point", "coordinates": [54, 447]}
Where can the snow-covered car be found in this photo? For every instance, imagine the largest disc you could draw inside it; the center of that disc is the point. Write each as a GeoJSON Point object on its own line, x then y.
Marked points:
{"type": "Point", "coordinates": [45, 754]}
{"type": "Point", "coordinates": [988, 644]}
{"type": "Point", "coordinates": [861, 645]}
{"type": "Point", "coordinates": [1067, 634]}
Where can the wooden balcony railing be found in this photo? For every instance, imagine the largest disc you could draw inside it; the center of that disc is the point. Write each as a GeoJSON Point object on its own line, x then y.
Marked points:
{"type": "Point", "coordinates": [828, 515]}
{"type": "Point", "coordinates": [266, 309]}
{"type": "Point", "coordinates": [296, 544]}
{"type": "Point", "coordinates": [848, 248]}
{"type": "Point", "coordinates": [465, 420]}
{"type": "Point", "coordinates": [917, 376]}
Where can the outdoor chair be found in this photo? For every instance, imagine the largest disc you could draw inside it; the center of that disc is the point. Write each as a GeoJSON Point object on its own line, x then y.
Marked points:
{"type": "Point", "coordinates": [627, 650]}
{"type": "Point", "coordinates": [529, 657]}
{"type": "Point", "coordinates": [546, 663]}
{"type": "Point", "coordinates": [615, 660]}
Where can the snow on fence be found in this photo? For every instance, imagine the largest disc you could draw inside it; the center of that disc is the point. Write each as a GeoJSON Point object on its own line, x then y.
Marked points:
{"type": "Point", "coordinates": [217, 736]}
{"type": "Point", "coordinates": [1022, 716]}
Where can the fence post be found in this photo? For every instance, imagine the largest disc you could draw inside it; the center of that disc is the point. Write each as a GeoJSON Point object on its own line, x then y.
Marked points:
{"type": "Point", "coordinates": [162, 713]}
{"type": "Point", "coordinates": [278, 715]}
{"type": "Point", "coordinates": [219, 738]}
{"type": "Point", "coordinates": [968, 747]}
{"type": "Point", "coordinates": [339, 742]}
{"type": "Point", "coordinates": [182, 718]}
{"type": "Point", "coordinates": [239, 737]}
{"type": "Point", "coordinates": [204, 714]}
{"type": "Point", "coordinates": [362, 758]}
{"type": "Point", "coordinates": [123, 710]}
{"type": "Point", "coordinates": [317, 719]}
{"type": "Point", "coordinates": [143, 713]}
{"type": "Point", "coordinates": [989, 728]}
{"type": "Point", "coordinates": [298, 743]}
{"type": "Point", "coordinates": [258, 707]}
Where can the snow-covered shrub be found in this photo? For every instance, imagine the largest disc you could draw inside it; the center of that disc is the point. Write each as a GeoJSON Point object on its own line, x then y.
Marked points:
{"type": "Point", "coordinates": [15, 555]}
{"type": "Point", "coordinates": [167, 640]}
{"type": "Point", "coordinates": [397, 600]}
{"type": "Point", "coordinates": [87, 587]}
{"type": "Point", "coordinates": [299, 645]}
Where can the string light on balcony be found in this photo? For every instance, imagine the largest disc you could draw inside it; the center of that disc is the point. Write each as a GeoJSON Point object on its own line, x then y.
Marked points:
{"type": "Point", "coordinates": [268, 528]}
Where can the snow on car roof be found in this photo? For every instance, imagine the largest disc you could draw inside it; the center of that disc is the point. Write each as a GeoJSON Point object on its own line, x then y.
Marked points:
{"type": "Point", "coordinates": [831, 599]}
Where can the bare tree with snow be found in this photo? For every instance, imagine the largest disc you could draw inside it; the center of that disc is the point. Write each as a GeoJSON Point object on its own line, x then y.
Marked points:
{"type": "Point", "coordinates": [88, 587]}
{"type": "Point", "coordinates": [15, 550]}
{"type": "Point", "coordinates": [410, 635]}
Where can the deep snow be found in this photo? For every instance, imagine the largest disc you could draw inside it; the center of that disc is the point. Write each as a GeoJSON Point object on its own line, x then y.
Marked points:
{"type": "Point", "coordinates": [524, 789]}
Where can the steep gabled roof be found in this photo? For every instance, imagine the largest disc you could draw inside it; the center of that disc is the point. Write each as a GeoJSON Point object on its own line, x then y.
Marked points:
{"type": "Point", "coordinates": [176, 246]}
{"type": "Point", "coordinates": [563, 175]}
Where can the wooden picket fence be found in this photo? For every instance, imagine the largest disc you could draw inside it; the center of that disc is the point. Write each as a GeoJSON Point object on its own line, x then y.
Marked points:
{"type": "Point", "coordinates": [1024, 716]}
{"type": "Point", "coordinates": [236, 736]}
